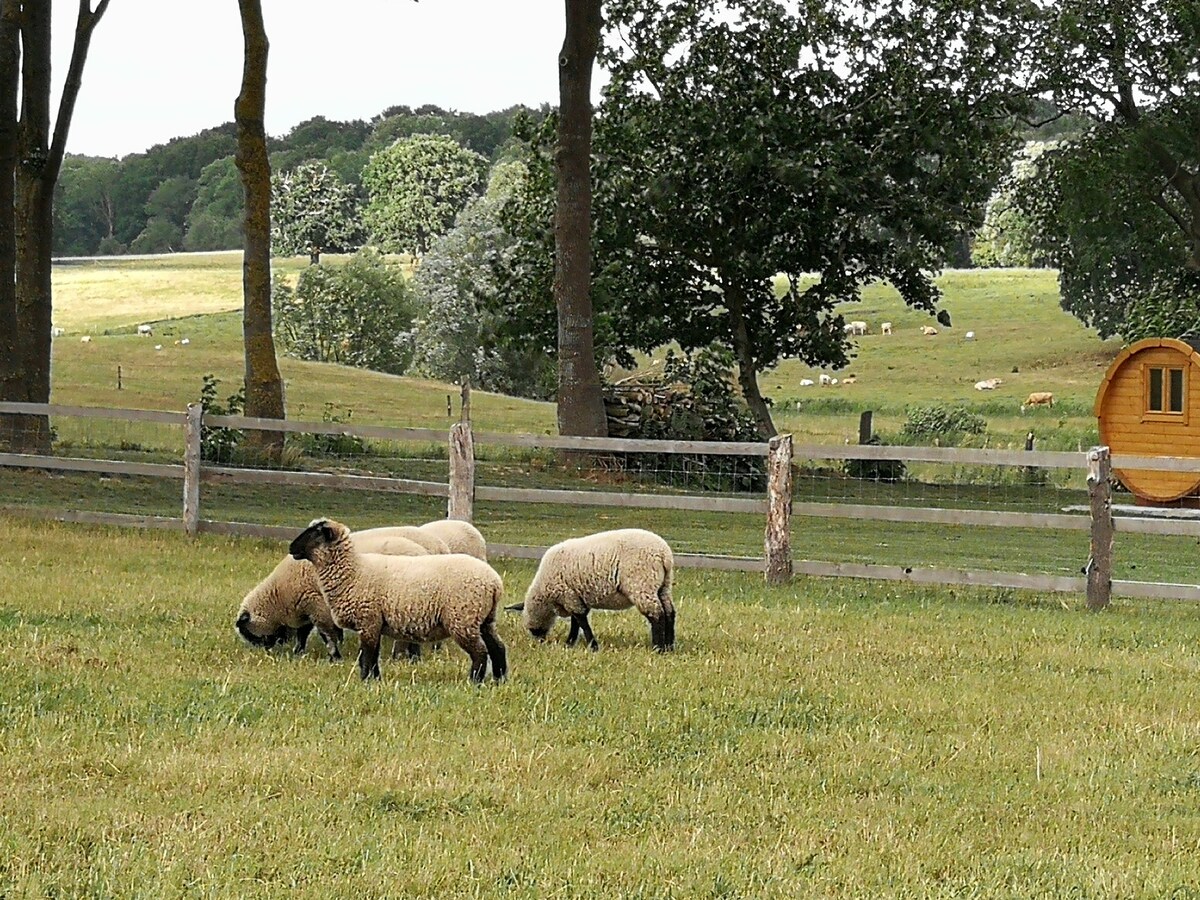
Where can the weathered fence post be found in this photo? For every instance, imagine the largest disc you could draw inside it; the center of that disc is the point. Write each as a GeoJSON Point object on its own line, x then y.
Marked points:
{"type": "Point", "coordinates": [465, 405]}
{"type": "Point", "coordinates": [777, 541]}
{"type": "Point", "coordinates": [191, 468]}
{"type": "Point", "coordinates": [1099, 566]}
{"type": "Point", "coordinates": [461, 503]}
{"type": "Point", "coordinates": [866, 426]}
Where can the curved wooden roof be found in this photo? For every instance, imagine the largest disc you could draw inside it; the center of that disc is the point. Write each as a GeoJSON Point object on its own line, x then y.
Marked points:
{"type": "Point", "coordinates": [1189, 347]}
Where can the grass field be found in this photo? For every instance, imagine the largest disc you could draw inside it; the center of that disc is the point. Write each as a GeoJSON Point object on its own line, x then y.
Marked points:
{"type": "Point", "coordinates": [831, 739]}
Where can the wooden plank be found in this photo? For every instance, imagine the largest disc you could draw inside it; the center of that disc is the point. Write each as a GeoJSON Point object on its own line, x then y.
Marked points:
{"type": "Point", "coordinates": [324, 479]}
{"type": "Point", "coordinates": [1138, 525]}
{"type": "Point", "coordinates": [1150, 590]}
{"type": "Point", "coordinates": [627, 445]}
{"type": "Point", "coordinates": [381, 432]}
{"type": "Point", "coordinates": [682, 560]}
{"type": "Point", "coordinates": [939, 516]}
{"type": "Point", "coordinates": [636, 501]}
{"type": "Point", "coordinates": [1100, 547]}
{"type": "Point", "coordinates": [83, 517]}
{"type": "Point", "coordinates": [94, 412]}
{"type": "Point", "coordinates": [941, 576]}
{"type": "Point", "coordinates": [80, 464]}
{"type": "Point", "coordinates": [1126, 461]}
{"type": "Point", "coordinates": [249, 529]}
{"type": "Point", "coordinates": [1045, 459]}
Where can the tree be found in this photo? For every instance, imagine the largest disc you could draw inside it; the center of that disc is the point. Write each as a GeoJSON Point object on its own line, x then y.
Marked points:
{"type": "Point", "coordinates": [264, 386]}
{"type": "Point", "coordinates": [580, 402]}
{"type": "Point", "coordinates": [313, 211]}
{"type": "Point", "coordinates": [736, 142]}
{"type": "Point", "coordinates": [25, 359]}
{"type": "Point", "coordinates": [1120, 205]}
{"type": "Point", "coordinates": [359, 314]}
{"type": "Point", "coordinates": [215, 220]}
{"type": "Point", "coordinates": [84, 209]}
{"type": "Point", "coordinates": [1008, 236]}
{"type": "Point", "coordinates": [415, 189]}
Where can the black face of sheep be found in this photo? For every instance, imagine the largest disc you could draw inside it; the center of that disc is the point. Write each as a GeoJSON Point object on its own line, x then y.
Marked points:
{"type": "Point", "coordinates": [266, 641]}
{"type": "Point", "coordinates": [315, 535]}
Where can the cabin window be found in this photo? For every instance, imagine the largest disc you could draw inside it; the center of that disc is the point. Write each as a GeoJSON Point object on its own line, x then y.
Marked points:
{"type": "Point", "coordinates": [1164, 390]}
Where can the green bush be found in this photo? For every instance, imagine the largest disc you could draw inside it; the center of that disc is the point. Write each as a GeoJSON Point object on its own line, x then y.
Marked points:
{"type": "Point", "coordinates": [220, 444]}
{"type": "Point", "coordinates": [944, 423]}
{"type": "Point", "coordinates": [333, 444]}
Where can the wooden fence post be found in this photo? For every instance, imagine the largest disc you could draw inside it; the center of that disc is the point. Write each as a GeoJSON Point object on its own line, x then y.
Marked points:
{"type": "Point", "coordinates": [191, 468]}
{"type": "Point", "coordinates": [777, 541]}
{"type": "Point", "coordinates": [1099, 566]}
{"type": "Point", "coordinates": [866, 427]}
{"type": "Point", "coordinates": [465, 407]}
{"type": "Point", "coordinates": [461, 504]}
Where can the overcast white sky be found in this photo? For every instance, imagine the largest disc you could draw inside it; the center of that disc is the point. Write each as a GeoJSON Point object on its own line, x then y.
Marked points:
{"type": "Point", "coordinates": [160, 69]}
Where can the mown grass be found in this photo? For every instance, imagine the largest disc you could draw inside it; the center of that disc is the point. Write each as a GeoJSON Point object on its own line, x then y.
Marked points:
{"type": "Point", "coordinates": [830, 739]}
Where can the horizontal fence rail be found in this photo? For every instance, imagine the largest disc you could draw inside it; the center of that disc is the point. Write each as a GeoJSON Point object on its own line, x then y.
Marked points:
{"type": "Point", "coordinates": [776, 505]}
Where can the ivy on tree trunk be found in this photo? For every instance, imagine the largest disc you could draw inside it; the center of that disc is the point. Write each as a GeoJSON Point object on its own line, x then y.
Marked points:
{"type": "Point", "coordinates": [264, 386]}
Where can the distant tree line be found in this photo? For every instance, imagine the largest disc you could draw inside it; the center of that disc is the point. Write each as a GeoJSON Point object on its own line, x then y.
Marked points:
{"type": "Point", "coordinates": [185, 194]}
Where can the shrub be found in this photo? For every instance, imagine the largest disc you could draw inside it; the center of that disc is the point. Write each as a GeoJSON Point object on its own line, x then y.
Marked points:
{"type": "Point", "coordinates": [358, 314]}
{"type": "Point", "coordinates": [333, 444]}
{"type": "Point", "coordinates": [945, 423]}
{"type": "Point", "coordinates": [219, 444]}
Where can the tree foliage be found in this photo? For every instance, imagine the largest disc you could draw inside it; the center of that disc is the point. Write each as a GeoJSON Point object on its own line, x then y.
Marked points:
{"type": "Point", "coordinates": [313, 211]}
{"type": "Point", "coordinates": [357, 314]}
{"type": "Point", "coordinates": [215, 220]}
{"type": "Point", "coordinates": [416, 188]}
{"type": "Point", "coordinates": [1120, 208]}
{"type": "Point", "coordinates": [1009, 236]}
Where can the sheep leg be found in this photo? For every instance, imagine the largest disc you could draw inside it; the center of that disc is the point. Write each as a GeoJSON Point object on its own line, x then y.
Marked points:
{"type": "Point", "coordinates": [302, 634]}
{"type": "Point", "coordinates": [574, 635]}
{"type": "Point", "coordinates": [332, 642]}
{"type": "Point", "coordinates": [411, 650]}
{"type": "Point", "coordinates": [668, 632]}
{"type": "Point", "coordinates": [581, 620]}
{"type": "Point", "coordinates": [475, 648]}
{"type": "Point", "coordinates": [495, 649]}
{"type": "Point", "coordinates": [368, 656]}
{"type": "Point", "coordinates": [658, 632]}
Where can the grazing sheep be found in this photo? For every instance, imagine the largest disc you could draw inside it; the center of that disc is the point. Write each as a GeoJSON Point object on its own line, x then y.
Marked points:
{"type": "Point", "coordinates": [431, 542]}
{"type": "Point", "coordinates": [858, 326]}
{"type": "Point", "coordinates": [824, 379]}
{"type": "Point", "coordinates": [1038, 398]}
{"type": "Point", "coordinates": [86, 339]}
{"type": "Point", "coordinates": [459, 536]}
{"type": "Point", "coordinates": [144, 331]}
{"type": "Point", "coordinates": [885, 328]}
{"type": "Point", "coordinates": [928, 330]}
{"type": "Point", "coordinates": [288, 602]}
{"type": "Point", "coordinates": [607, 570]}
{"type": "Point", "coordinates": [806, 382]}
{"type": "Point", "coordinates": [413, 599]}
{"type": "Point", "coordinates": [988, 384]}
{"type": "Point", "coordinates": [970, 335]}
{"type": "Point", "coordinates": [849, 379]}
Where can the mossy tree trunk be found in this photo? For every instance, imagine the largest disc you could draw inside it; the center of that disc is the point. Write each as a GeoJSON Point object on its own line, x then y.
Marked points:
{"type": "Point", "coordinates": [264, 386]}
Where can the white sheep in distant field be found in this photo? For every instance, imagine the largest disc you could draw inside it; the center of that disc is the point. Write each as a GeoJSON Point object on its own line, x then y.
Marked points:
{"type": "Point", "coordinates": [56, 332]}
{"type": "Point", "coordinates": [824, 379]}
{"type": "Point", "coordinates": [806, 382]}
{"type": "Point", "coordinates": [607, 570]}
{"type": "Point", "coordinates": [858, 326]}
{"type": "Point", "coordinates": [86, 339]}
{"type": "Point", "coordinates": [144, 331]}
{"type": "Point", "coordinates": [928, 330]}
{"type": "Point", "coordinates": [970, 336]}
{"type": "Point", "coordinates": [885, 328]}
{"type": "Point", "coordinates": [988, 384]}
{"type": "Point", "coordinates": [850, 379]}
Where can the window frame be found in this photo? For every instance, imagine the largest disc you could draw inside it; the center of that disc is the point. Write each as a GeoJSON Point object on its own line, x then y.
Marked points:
{"type": "Point", "coordinates": [1165, 414]}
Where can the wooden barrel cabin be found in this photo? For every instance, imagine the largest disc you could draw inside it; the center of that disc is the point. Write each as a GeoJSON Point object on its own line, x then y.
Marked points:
{"type": "Point", "coordinates": [1149, 405]}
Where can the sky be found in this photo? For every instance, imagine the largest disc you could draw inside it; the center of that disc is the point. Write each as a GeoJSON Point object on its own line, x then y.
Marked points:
{"type": "Point", "coordinates": [160, 69]}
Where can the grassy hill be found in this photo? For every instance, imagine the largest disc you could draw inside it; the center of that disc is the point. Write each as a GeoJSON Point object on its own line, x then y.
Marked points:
{"type": "Point", "coordinates": [1021, 336]}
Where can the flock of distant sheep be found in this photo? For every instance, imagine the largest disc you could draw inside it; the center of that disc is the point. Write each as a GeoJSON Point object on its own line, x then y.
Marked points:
{"type": "Point", "coordinates": [142, 331]}
{"type": "Point", "coordinates": [423, 584]}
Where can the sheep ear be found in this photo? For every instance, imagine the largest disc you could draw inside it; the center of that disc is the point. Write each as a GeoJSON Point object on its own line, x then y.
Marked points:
{"type": "Point", "coordinates": [326, 532]}
{"type": "Point", "coordinates": [516, 607]}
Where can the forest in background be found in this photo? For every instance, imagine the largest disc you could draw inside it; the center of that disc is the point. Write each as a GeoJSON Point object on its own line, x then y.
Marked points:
{"type": "Point", "coordinates": [185, 194]}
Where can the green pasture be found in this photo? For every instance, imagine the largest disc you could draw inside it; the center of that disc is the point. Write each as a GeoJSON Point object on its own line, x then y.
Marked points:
{"type": "Point", "coordinates": [825, 739]}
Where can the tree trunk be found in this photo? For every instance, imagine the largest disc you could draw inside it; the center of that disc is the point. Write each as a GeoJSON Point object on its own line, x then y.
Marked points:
{"type": "Point", "coordinates": [580, 401]}
{"type": "Point", "coordinates": [264, 386]}
{"type": "Point", "coordinates": [746, 362]}
{"type": "Point", "coordinates": [11, 371]}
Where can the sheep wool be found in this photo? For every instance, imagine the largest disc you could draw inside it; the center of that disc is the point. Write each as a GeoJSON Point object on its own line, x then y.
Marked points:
{"type": "Point", "coordinates": [288, 602]}
{"type": "Point", "coordinates": [414, 599]}
{"type": "Point", "coordinates": [432, 543]}
{"type": "Point", "coordinates": [608, 570]}
{"type": "Point", "coordinates": [459, 536]}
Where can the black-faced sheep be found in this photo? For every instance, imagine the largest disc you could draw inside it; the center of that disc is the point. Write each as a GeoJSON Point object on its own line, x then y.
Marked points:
{"type": "Point", "coordinates": [288, 603]}
{"type": "Point", "coordinates": [412, 599]}
{"type": "Point", "coordinates": [607, 570]}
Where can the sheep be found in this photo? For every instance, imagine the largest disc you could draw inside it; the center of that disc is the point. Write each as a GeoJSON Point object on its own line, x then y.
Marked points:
{"type": "Point", "coordinates": [824, 379]}
{"type": "Point", "coordinates": [431, 542]}
{"type": "Point", "coordinates": [806, 382]}
{"type": "Point", "coordinates": [413, 599]}
{"type": "Point", "coordinates": [858, 326]}
{"type": "Point", "coordinates": [459, 536]}
{"type": "Point", "coordinates": [144, 331]}
{"type": "Point", "coordinates": [607, 570]}
{"type": "Point", "coordinates": [970, 336]}
{"type": "Point", "coordinates": [1038, 398]}
{"type": "Point", "coordinates": [849, 379]}
{"type": "Point", "coordinates": [86, 339]}
{"type": "Point", "coordinates": [55, 331]}
{"type": "Point", "coordinates": [988, 384]}
{"type": "Point", "coordinates": [885, 328]}
{"type": "Point", "coordinates": [288, 602]}
{"type": "Point", "coordinates": [928, 330]}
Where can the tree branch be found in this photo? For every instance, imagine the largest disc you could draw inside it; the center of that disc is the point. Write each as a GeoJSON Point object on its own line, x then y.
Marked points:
{"type": "Point", "coordinates": [84, 25]}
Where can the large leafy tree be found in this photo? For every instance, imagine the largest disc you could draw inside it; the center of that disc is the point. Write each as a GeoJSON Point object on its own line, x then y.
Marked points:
{"type": "Point", "coordinates": [215, 220]}
{"type": "Point", "coordinates": [264, 386]}
{"type": "Point", "coordinates": [27, 222]}
{"type": "Point", "coordinates": [1120, 205]}
{"type": "Point", "coordinates": [313, 211]}
{"type": "Point", "coordinates": [84, 209]}
{"type": "Point", "coordinates": [415, 189]}
{"type": "Point", "coordinates": [739, 140]}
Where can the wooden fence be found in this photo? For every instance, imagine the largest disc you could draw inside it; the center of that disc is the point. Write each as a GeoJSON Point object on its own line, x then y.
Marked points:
{"type": "Point", "coordinates": [777, 563]}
